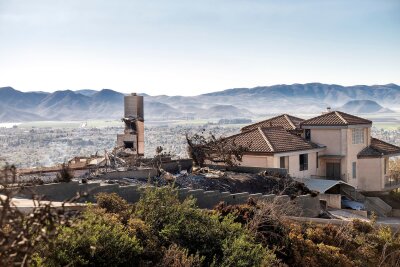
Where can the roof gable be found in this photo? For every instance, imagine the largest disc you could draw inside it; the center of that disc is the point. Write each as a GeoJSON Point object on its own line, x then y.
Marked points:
{"type": "Point", "coordinates": [271, 140]}
{"type": "Point", "coordinates": [286, 121]}
{"type": "Point", "coordinates": [335, 118]}
{"type": "Point", "coordinates": [378, 148]}
{"type": "Point", "coordinates": [322, 185]}
{"type": "Point", "coordinates": [253, 140]}
{"type": "Point", "coordinates": [283, 141]}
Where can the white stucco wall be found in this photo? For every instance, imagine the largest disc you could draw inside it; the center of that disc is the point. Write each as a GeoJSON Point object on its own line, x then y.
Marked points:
{"type": "Point", "coordinates": [370, 174]}
{"type": "Point", "coordinates": [294, 163]}
{"type": "Point", "coordinates": [258, 161]}
{"type": "Point", "coordinates": [351, 156]}
{"type": "Point", "coordinates": [331, 138]}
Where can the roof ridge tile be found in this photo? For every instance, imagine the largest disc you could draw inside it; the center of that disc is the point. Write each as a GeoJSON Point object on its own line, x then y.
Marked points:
{"type": "Point", "coordinates": [340, 116]}
{"type": "Point", "coordinates": [266, 139]}
{"type": "Point", "coordinates": [289, 120]}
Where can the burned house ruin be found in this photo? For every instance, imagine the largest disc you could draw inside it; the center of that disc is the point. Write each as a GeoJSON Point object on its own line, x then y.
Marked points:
{"type": "Point", "coordinates": [133, 136]}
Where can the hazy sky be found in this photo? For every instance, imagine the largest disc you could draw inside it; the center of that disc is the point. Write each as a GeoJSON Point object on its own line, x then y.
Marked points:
{"type": "Point", "coordinates": [192, 47]}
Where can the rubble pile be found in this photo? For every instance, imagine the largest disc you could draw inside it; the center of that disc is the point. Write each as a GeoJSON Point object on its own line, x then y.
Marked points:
{"type": "Point", "coordinates": [119, 159]}
{"type": "Point", "coordinates": [234, 182]}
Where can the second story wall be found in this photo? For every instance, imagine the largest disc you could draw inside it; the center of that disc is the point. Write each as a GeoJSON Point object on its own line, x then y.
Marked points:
{"type": "Point", "coordinates": [357, 139]}
{"type": "Point", "coordinates": [331, 138]}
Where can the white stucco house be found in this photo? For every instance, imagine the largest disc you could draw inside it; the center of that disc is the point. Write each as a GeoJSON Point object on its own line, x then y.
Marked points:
{"type": "Point", "coordinates": [334, 145]}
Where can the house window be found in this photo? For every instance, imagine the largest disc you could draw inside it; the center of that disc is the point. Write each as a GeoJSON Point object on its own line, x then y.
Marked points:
{"type": "Point", "coordinates": [354, 170]}
{"type": "Point", "coordinates": [284, 162]}
{"type": "Point", "coordinates": [307, 134]}
{"type": "Point", "coordinates": [317, 164]}
{"type": "Point", "coordinates": [303, 159]}
{"type": "Point", "coordinates": [386, 164]}
{"type": "Point", "coordinates": [358, 136]}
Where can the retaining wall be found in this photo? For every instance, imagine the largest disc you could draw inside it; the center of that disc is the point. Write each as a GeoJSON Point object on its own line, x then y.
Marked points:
{"type": "Point", "coordinates": [394, 226]}
{"type": "Point", "coordinates": [395, 213]}
{"type": "Point", "coordinates": [332, 200]}
{"type": "Point", "coordinates": [378, 205]}
{"type": "Point", "coordinates": [306, 205]}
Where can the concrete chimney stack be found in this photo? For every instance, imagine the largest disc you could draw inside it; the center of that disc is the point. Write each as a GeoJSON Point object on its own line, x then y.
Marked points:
{"type": "Point", "coordinates": [328, 109]}
{"type": "Point", "coordinates": [133, 105]}
{"type": "Point", "coordinates": [133, 136]}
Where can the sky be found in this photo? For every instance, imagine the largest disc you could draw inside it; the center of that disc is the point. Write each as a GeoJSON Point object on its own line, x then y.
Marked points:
{"type": "Point", "coordinates": [178, 47]}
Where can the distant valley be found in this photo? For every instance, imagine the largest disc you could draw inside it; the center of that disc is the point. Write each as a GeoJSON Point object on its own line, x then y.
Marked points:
{"type": "Point", "coordinates": [311, 98]}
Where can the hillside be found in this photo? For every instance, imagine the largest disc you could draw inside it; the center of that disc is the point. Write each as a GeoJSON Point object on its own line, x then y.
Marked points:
{"type": "Point", "coordinates": [232, 103]}
{"type": "Point", "coordinates": [364, 106]}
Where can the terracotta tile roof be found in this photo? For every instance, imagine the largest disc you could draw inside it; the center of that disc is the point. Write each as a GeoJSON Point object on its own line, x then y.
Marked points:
{"type": "Point", "coordinates": [286, 121]}
{"type": "Point", "coordinates": [378, 148]}
{"type": "Point", "coordinates": [335, 118]}
{"type": "Point", "coordinates": [253, 140]}
{"type": "Point", "coordinates": [271, 140]}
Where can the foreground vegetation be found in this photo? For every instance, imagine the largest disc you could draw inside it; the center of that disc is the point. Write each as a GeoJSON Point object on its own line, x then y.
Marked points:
{"type": "Point", "coordinates": [159, 230]}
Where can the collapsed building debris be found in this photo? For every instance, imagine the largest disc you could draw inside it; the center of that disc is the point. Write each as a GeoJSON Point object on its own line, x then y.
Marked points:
{"type": "Point", "coordinates": [234, 182]}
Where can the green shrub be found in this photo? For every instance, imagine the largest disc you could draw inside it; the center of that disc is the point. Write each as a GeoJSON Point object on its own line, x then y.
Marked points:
{"type": "Point", "coordinates": [185, 225]}
{"type": "Point", "coordinates": [152, 251]}
{"type": "Point", "coordinates": [97, 239]}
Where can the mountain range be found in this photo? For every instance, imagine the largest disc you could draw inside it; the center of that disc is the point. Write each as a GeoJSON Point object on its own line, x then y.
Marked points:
{"type": "Point", "coordinates": [310, 98]}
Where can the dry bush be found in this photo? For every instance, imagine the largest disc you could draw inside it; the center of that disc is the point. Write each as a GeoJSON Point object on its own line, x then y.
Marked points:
{"type": "Point", "coordinates": [269, 223]}
{"type": "Point", "coordinates": [394, 165]}
{"type": "Point", "coordinates": [305, 252]}
{"type": "Point", "coordinates": [112, 203]}
{"type": "Point", "coordinates": [65, 174]}
{"type": "Point", "coordinates": [21, 234]}
{"type": "Point", "coordinates": [176, 256]}
{"type": "Point", "coordinates": [202, 148]}
{"type": "Point", "coordinates": [243, 213]}
{"type": "Point", "coordinates": [362, 226]}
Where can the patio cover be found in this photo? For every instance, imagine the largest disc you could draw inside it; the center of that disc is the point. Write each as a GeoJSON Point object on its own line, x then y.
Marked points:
{"type": "Point", "coordinates": [321, 185]}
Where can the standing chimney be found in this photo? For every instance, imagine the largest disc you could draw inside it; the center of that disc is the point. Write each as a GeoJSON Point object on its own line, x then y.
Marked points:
{"type": "Point", "coordinates": [133, 136]}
